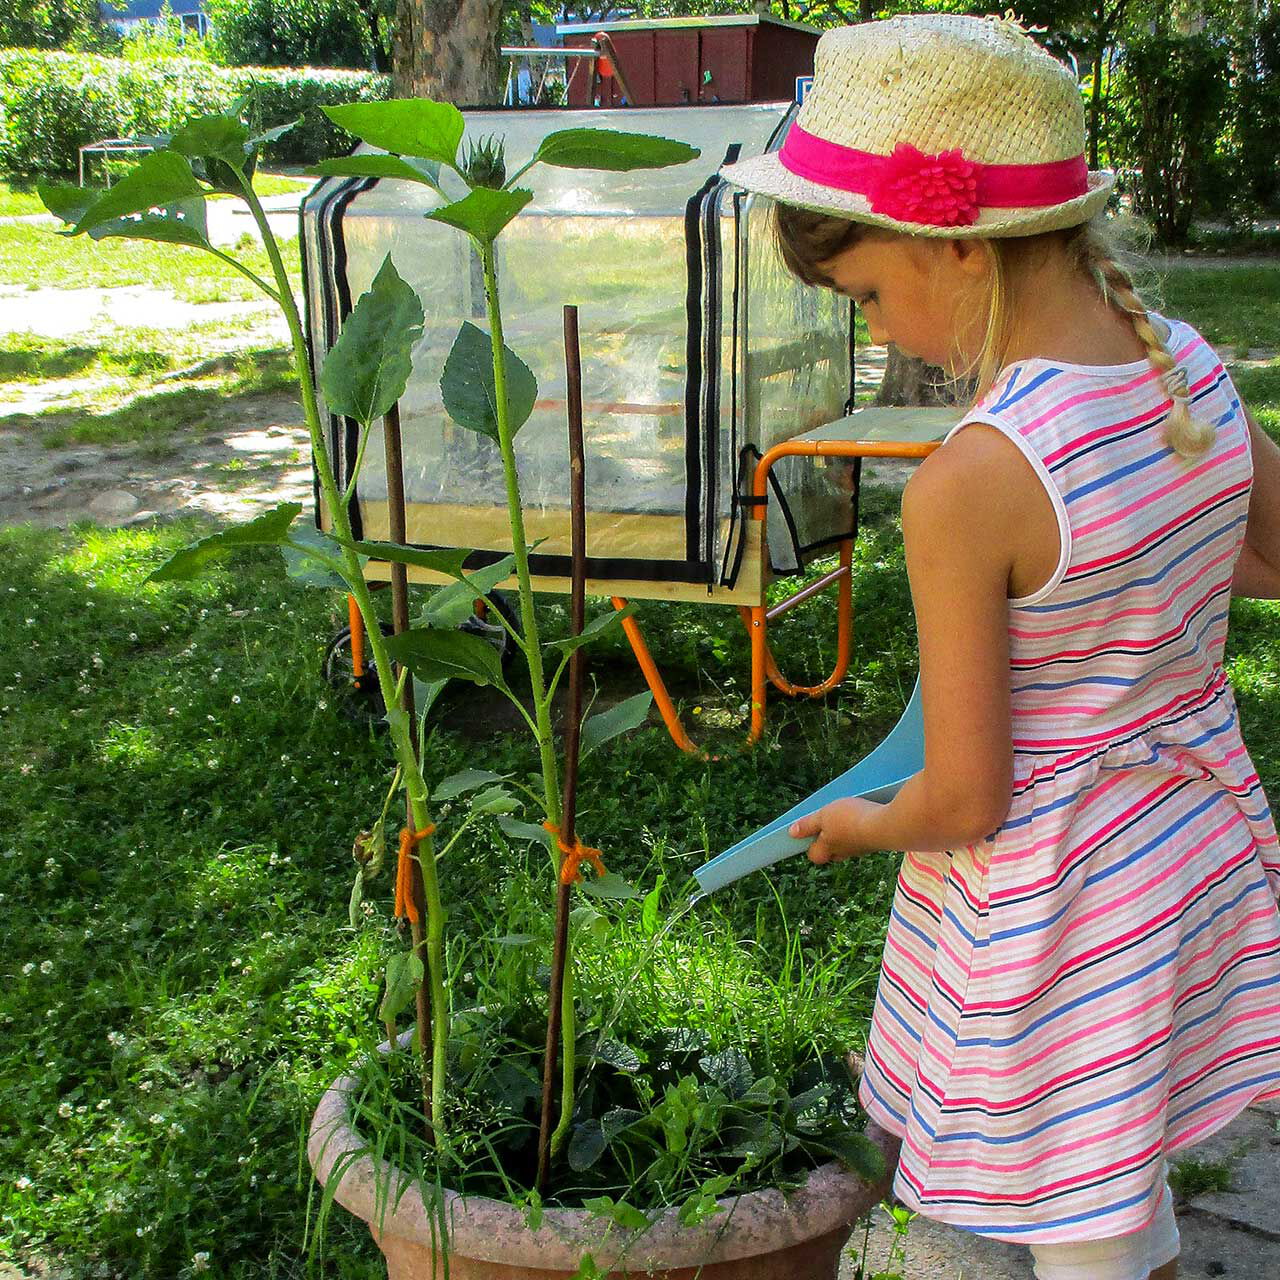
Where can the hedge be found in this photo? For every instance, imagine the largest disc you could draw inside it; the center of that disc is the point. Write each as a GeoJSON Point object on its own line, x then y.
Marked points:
{"type": "Point", "coordinates": [52, 103]}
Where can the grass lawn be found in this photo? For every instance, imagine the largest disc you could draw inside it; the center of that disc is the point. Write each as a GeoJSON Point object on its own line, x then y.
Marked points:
{"type": "Point", "coordinates": [18, 198]}
{"type": "Point", "coordinates": [34, 257]}
{"type": "Point", "coordinates": [178, 796]}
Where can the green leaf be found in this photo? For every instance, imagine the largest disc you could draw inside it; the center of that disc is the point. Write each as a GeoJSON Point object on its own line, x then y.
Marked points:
{"type": "Point", "coordinates": [404, 976]}
{"type": "Point", "coordinates": [857, 1153]}
{"type": "Point", "coordinates": [457, 784]}
{"type": "Point", "coordinates": [376, 166]}
{"type": "Point", "coordinates": [483, 212]}
{"type": "Point", "coordinates": [220, 137]}
{"type": "Point", "coordinates": [269, 529]}
{"type": "Point", "coordinates": [624, 717]}
{"type": "Point", "coordinates": [446, 655]}
{"type": "Point", "coordinates": [301, 557]}
{"type": "Point", "coordinates": [583, 920]}
{"type": "Point", "coordinates": [455, 603]}
{"type": "Point", "coordinates": [586, 1146]}
{"type": "Point", "coordinates": [730, 1069]}
{"type": "Point", "coordinates": [515, 939]}
{"type": "Point", "coordinates": [649, 912]}
{"type": "Point", "coordinates": [367, 369]}
{"type": "Point", "coordinates": [469, 392]}
{"type": "Point", "coordinates": [615, 1054]}
{"type": "Point", "coordinates": [405, 126]}
{"type": "Point", "coordinates": [446, 560]}
{"type": "Point", "coordinates": [703, 1203]}
{"type": "Point", "coordinates": [611, 149]}
{"type": "Point", "coordinates": [425, 693]}
{"type": "Point", "coordinates": [182, 222]}
{"type": "Point", "coordinates": [628, 1217]}
{"type": "Point", "coordinates": [159, 179]}
{"type": "Point", "coordinates": [592, 631]}
{"type": "Point", "coordinates": [609, 887]}
{"type": "Point", "coordinates": [495, 800]}
{"type": "Point", "coordinates": [519, 830]}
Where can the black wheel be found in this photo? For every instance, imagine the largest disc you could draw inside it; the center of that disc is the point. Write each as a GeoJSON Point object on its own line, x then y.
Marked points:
{"type": "Point", "coordinates": [482, 623]}
{"type": "Point", "coordinates": [358, 697]}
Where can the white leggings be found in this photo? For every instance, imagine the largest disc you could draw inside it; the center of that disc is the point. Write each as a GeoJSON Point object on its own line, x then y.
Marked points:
{"type": "Point", "coordinates": [1131, 1257]}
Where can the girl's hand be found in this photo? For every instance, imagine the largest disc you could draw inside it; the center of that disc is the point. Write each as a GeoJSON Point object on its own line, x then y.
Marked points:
{"type": "Point", "coordinates": [839, 831]}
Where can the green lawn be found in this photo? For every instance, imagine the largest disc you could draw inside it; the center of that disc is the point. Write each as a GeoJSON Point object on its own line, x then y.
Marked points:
{"type": "Point", "coordinates": [179, 792]}
{"type": "Point", "coordinates": [35, 257]}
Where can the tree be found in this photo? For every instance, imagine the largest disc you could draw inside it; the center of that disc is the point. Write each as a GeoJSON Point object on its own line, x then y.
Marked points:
{"type": "Point", "coordinates": [53, 24]}
{"type": "Point", "coordinates": [294, 33]}
{"type": "Point", "coordinates": [448, 50]}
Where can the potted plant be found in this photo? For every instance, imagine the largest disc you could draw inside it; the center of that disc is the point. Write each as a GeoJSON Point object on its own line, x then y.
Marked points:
{"type": "Point", "coordinates": [539, 1147]}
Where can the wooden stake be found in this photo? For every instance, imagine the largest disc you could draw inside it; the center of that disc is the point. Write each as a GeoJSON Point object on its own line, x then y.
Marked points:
{"type": "Point", "coordinates": [573, 717]}
{"type": "Point", "coordinates": [400, 622]}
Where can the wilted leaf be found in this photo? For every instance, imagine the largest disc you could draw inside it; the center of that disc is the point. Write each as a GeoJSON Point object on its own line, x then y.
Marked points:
{"type": "Point", "coordinates": [269, 529]}
{"type": "Point", "coordinates": [446, 655]}
{"type": "Point", "coordinates": [483, 212]}
{"type": "Point", "coordinates": [468, 388]}
{"type": "Point", "coordinates": [593, 630]}
{"type": "Point", "coordinates": [405, 126]}
{"type": "Point", "coordinates": [367, 369]}
{"type": "Point", "coordinates": [611, 149]}
{"type": "Point", "coordinates": [622, 718]}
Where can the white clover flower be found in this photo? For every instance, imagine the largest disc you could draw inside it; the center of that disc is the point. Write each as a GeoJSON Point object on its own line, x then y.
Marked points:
{"type": "Point", "coordinates": [200, 1261]}
{"type": "Point", "coordinates": [24, 1183]}
{"type": "Point", "coordinates": [115, 1038]}
{"type": "Point", "coordinates": [46, 966]}
{"type": "Point", "coordinates": [64, 1110]}
{"type": "Point", "coordinates": [28, 969]}
{"type": "Point", "coordinates": [235, 697]}
{"type": "Point", "coordinates": [145, 1085]}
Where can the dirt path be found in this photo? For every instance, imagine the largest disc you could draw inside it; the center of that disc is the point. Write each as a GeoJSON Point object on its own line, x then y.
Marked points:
{"type": "Point", "coordinates": [257, 457]}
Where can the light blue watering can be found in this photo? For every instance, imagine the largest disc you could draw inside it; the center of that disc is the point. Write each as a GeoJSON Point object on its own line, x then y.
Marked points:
{"type": "Point", "coordinates": [876, 776]}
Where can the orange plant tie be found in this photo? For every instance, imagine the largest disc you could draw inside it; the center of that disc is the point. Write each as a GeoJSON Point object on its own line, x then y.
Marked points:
{"type": "Point", "coordinates": [409, 841]}
{"type": "Point", "coordinates": [574, 856]}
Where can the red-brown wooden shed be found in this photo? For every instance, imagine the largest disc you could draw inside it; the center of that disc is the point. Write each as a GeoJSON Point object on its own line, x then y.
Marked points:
{"type": "Point", "coordinates": [666, 62]}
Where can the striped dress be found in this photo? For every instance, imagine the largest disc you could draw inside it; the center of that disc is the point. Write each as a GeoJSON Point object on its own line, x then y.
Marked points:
{"type": "Point", "coordinates": [1097, 984]}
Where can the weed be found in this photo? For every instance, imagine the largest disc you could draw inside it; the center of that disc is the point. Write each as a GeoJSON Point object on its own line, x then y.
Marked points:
{"type": "Point", "coordinates": [1193, 1177]}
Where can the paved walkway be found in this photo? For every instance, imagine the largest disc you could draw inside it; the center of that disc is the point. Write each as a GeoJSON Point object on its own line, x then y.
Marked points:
{"type": "Point", "coordinates": [1234, 1234]}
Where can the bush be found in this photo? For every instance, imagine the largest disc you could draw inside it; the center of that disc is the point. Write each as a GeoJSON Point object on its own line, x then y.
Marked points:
{"type": "Point", "coordinates": [51, 104]}
{"type": "Point", "coordinates": [1171, 99]}
{"type": "Point", "coordinates": [1258, 91]}
{"type": "Point", "coordinates": [290, 33]}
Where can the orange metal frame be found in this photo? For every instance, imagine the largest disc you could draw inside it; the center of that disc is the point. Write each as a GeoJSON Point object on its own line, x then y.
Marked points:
{"type": "Point", "coordinates": [756, 618]}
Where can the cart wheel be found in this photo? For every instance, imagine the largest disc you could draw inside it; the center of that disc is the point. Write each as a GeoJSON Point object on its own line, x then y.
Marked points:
{"type": "Point", "coordinates": [359, 698]}
{"type": "Point", "coordinates": [482, 623]}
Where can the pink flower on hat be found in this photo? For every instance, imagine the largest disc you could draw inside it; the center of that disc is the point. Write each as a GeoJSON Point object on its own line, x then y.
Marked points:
{"type": "Point", "coordinates": [939, 191]}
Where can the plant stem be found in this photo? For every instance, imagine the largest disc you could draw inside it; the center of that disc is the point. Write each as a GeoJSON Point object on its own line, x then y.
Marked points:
{"type": "Point", "coordinates": [533, 652]}
{"type": "Point", "coordinates": [401, 731]}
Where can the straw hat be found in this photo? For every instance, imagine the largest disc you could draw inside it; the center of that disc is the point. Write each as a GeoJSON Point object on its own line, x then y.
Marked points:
{"type": "Point", "coordinates": [937, 125]}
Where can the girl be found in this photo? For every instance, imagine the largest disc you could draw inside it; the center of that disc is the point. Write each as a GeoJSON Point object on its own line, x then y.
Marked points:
{"type": "Point", "coordinates": [1088, 978]}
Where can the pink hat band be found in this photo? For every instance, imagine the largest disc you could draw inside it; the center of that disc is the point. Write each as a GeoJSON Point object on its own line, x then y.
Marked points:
{"type": "Point", "coordinates": [943, 190]}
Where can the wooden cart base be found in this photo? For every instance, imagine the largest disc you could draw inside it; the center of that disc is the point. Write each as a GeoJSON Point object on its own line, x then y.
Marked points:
{"type": "Point", "coordinates": [910, 434]}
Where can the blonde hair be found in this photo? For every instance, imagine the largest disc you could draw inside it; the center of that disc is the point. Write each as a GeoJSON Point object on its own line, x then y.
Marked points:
{"type": "Point", "coordinates": [808, 240]}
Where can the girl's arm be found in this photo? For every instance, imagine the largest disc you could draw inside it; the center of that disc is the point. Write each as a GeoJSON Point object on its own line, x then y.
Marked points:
{"type": "Point", "coordinates": [965, 515]}
{"type": "Point", "coordinates": [1257, 572]}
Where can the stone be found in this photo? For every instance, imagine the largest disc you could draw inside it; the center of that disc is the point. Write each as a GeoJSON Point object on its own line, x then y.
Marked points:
{"type": "Point", "coordinates": [114, 504]}
{"type": "Point", "coordinates": [1256, 1205]}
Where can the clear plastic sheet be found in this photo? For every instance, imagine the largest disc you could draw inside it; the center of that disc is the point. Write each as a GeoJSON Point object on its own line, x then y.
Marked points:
{"type": "Point", "coordinates": [660, 478]}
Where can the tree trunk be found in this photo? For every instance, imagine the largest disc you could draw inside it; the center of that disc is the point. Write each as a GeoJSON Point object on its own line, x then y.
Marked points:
{"type": "Point", "coordinates": [909, 382]}
{"type": "Point", "coordinates": [447, 50]}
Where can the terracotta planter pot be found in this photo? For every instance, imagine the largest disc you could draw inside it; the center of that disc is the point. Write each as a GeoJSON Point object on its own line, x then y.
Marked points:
{"type": "Point", "coordinates": [761, 1236]}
